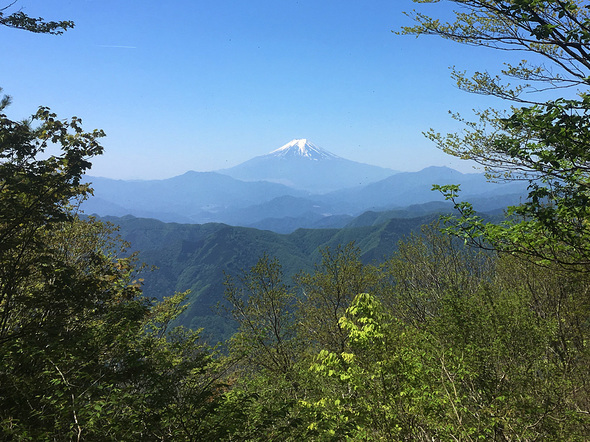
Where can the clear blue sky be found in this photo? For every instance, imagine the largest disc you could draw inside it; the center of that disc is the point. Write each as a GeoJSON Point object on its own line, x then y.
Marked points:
{"type": "Point", "coordinates": [203, 85]}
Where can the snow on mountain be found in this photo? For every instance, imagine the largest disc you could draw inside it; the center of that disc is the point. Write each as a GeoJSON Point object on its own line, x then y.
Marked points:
{"type": "Point", "coordinates": [303, 148]}
{"type": "Point", "coordinates": [303, 165]}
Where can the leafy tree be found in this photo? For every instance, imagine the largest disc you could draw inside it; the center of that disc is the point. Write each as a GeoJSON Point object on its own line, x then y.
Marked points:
{"type": "Point", "coordinates": [544, 142]}
{"type": "Point", "coordinates": [35, 199]}
{"type": "Point", "coordinates": [83, 355]}
{"type": "Point", "coordinates": [265, 352]}
{"type": "Point", "coordinates": [380, 375]}
{"type": "Point", "coordinates": [328, 292]}
{"type": "Point", "coordinates": [495, 360]}
{"type": "Point", "coordinates": [262, 305]}
{"type": "Point", "coordinates": [557, 30]}
{"type": "Point", "coordinates": [20, 20]}
{"type": "Point", "coordinates": [520, 333]}
{"type": "Point", "coordinates": [424, 268]}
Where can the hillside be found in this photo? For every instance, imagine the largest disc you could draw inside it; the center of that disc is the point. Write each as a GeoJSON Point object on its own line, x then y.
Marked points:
{"type": "Point", "coordinates": [197, 257]}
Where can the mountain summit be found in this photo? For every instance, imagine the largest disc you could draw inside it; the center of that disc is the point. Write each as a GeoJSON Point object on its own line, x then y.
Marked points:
{"type": "Point", "coordinates": [302, 165]}
{"type": "Point", "coordinates": [303, 148]}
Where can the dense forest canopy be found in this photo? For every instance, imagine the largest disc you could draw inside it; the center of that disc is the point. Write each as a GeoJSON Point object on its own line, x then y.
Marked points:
{"type": "Point", "coordinates": [444, 341]}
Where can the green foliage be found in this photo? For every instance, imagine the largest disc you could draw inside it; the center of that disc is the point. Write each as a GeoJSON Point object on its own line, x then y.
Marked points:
{"type": "Point", "coordinates": [557, 30]}
{"type": "Point", "coordinates": [34, 201]}
{"type": "Point", "coordinates": [454, 344]}
{"type": "Point", "coordinates": [328, 292]}
{"type": "Point", "coordinates": [265, 353]}
{"type": "Point", "coordinates": [280, 333]}
{"type": "Point", "coordinates": [550, 142]}
{"type": "Point", "coordinates": [424, 268]}
{"type": "Point", "coordinates": [499, 358]}
{"type": "Point", "coordinates": [544, 142]}
{"type": "Point", "coordinates": [382, 377]}
{"type": "Point", "coordinates": [263, 307]}
{"type": "Point", "coordinates": [19, 20]}
{"type": "Point", "coordinates": [83, 355]}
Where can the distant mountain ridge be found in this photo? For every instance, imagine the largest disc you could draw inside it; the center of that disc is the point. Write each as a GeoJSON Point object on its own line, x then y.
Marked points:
{"type": "Point", "coordinates": [406, 188]}
{"type": "Point", "coordinates": [191, 197]}
{"type": "Point", "coordinates": [303, 165]}
{"type": "Point", "coordinates": [203, 197]}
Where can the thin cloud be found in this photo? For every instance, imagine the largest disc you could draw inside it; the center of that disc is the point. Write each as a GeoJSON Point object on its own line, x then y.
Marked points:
{"type": "Point", "coordinates": [117, 46]}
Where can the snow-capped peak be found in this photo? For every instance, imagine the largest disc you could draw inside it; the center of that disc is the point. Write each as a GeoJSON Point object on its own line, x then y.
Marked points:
{"type": "Point", "coordinates": [303, 148]}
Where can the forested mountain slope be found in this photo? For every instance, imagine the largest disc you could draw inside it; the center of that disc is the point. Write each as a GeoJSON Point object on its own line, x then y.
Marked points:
{"type": "Point", "coordinates": [197, 257]}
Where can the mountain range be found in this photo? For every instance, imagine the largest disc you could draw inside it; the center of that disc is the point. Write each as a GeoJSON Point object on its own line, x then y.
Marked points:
{"type": "Point", "coordinates": [288, 204]}
{"type": "Point", "coordinates": [297, 185]}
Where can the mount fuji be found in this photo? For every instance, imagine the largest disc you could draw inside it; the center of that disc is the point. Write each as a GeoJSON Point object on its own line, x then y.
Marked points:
{"type": "Point", "coordinates": [303, 165]}
{"type": "Point", "coordinates": [302, 149]}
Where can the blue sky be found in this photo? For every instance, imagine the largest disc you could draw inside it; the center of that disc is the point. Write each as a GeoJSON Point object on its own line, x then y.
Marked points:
{"type": "Point", "coordinates": [203, 85]}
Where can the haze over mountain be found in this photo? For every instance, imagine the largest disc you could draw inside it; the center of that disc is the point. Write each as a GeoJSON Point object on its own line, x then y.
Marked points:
{"type": "Point", "coordinates": [408, 188]}
{"type": "Point", "coordinates": [191, 197]}
{"type": "Point", "coordinates": [303, 165]}
{"type": "Point", "coordinates": [201, 197]}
